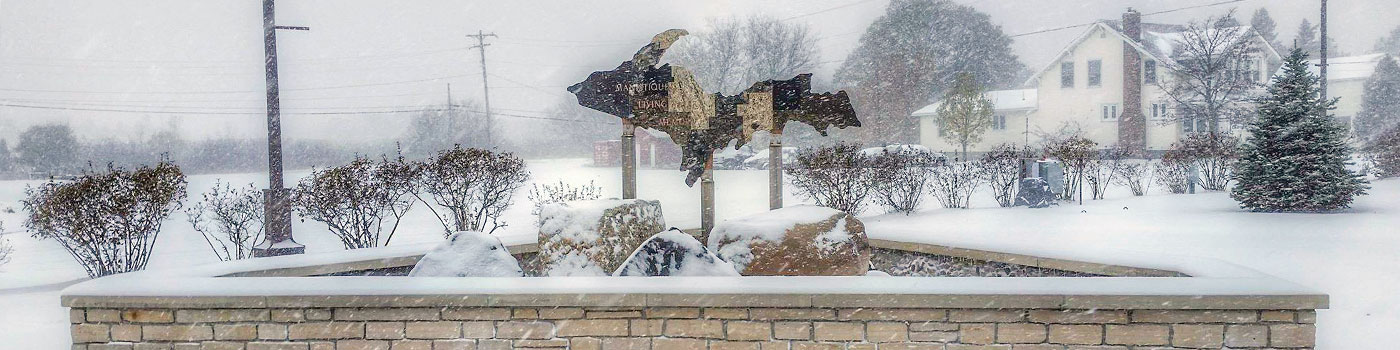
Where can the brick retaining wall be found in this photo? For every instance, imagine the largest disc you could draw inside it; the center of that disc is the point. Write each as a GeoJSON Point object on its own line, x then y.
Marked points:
{"type": "Point", "coordinates": [341, 323]}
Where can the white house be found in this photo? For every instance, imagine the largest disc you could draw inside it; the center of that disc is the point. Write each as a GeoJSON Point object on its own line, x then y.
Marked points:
{"type": "Point", "coordinates": [1346, 81]}
{"type": "Point", "coordinates": [1085, 87]}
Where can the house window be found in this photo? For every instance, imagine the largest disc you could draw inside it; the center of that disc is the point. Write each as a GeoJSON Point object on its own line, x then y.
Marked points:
{"type": "Point", "coordinates": [1195, 125]}
{"type": "Point", "coordinates": [942, 128]}
{"type": "Point", "coordinates": [1095, 73]}
{"type": "Point", "coordinates": [1067, 74]}
{"type": "Point", "coordinates": [998, 122]}
{"type": "Point", "coordinates": [1159, 111]}
{"type": "Point", "coordinates": [1149, 72]}
{"type": "Point", "coordinates": [1110, 111]}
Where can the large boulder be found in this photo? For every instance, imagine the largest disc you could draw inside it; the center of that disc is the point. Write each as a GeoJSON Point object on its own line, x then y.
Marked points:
{"type": "Point", "coordinates": [468, 254]}
{"type": "Point", "coordinates": [674, 253]}
{"type": "Point", "coordinates": [592, 238]}
{"type": "Point", "coordinates": [794, 241]}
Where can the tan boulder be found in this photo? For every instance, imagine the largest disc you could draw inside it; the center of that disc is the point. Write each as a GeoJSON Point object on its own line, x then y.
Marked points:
{"type": "Point", "coordinates": [593, 238]}
{"type": "Point", "coordinates": [794, 241]}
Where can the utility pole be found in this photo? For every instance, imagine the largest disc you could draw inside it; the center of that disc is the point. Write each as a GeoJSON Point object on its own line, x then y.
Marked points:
{"type": "Point", "coordinates": [485, 89]}
{"type": "Point", "coordinates": [1323, 51]}
{"type": "Point", "coordinates": [277, 213]}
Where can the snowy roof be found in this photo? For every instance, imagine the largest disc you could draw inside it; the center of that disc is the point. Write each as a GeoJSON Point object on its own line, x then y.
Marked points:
{"type": "Point", "coordinates": [1159, 42]}
{"type": "Point", "coordinates": [1002, 100]}
{"type": "Point", "coordinates": [1358, 67]}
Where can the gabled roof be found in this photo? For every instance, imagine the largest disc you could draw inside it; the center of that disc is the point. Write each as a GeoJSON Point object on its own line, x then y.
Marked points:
{"type": "Point", "coordinates": [1158, 42]}
{"type": "Point", "coordinates": [1358, 67]}
{"type": "Point", "coordinates": [1002, 100]}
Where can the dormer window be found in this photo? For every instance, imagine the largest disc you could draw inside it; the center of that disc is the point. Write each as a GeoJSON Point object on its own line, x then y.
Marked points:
{"type": "Point", "coordinates": [1066, 74]}
{"type": "Point", "coordinates": [1095, 73]}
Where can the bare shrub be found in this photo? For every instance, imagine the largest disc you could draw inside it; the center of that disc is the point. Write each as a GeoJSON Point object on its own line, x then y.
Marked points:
{"type": "Point", "coordinates": [953, 184]}
{"type": "Point", "coordinates": [230, 220]}
{"type": "Point", "coordinates": [1077, 154]}
{"type": "Point", "coordinates": [1001, 170]}
{"type": "Point", "coordinates": [1135, 175]}
{"type": "Point", "coordinates": [108, 221]}
{"type": "Point", "coordinates": [355, 200]}
{"type": "Point", "coordinates": [1383, 151]}
{"type": "Point", "coordinates": [900, 179]}
{"type": "Point", "coordinates": [1173, 172]}
{"type": "Point", "coordinates": [5, 249]}
{"type": "Point", "coordinates": [1213, 154]}
{"type": "Point", "coordinates": [1104, 170]}
{"type": "Point", "coordinates": [474, 185]}
{"type": "Point", "coordinates": [562, 192]}
{"type": "Point", "coordinates": [833, 176]}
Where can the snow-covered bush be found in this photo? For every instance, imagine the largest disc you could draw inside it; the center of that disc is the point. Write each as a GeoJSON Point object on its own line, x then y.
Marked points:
{"type": "Point", "coordinates": [1384, 153]}
{"type": "Point", "coordinates": [5, 248]}
{"type": "Point", "coordinates": [834, 176]}
{"type": "Point", "coordinates": [108, 221]}
{"type": "Point", "coordinates": [1104, 169]}
{"type": "Point", "coordinates": [230, 219]}
{"type": "Point", "coordinates": [1173, 172]}
{"type": "Point", "coordinates": [1135, 175]}
{"type": "Point", "coordinates": [953, 184]}
{"type": "Point", "coordinates": [1077, 154]}
{"type": "Point", "coordinates": [1001, 170]}
{"type": "Point", "coordinates": [357, 200]}
{"type": "Point", "coordinates": [901, 178]}
{"type": "Point", "coordinates": [1213, 155]}
{"type": "Point", "coordinates": [474, 185]}
{"type": "Point", "coordinates": [562, 192]}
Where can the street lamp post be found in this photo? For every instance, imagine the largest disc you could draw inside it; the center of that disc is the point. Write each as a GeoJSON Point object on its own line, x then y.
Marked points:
{"type": "Point", "coordinates": [277, 213]}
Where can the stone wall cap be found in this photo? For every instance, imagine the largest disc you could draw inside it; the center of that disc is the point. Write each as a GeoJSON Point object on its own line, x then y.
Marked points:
{"type": "Point", "coordinates": [911, 292]}
{"type": "Point", "coordinates": [235, 285]}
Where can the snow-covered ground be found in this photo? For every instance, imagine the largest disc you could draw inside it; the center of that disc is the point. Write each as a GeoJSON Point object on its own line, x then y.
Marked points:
{"type": "Point", "coordinates": [1350, 255]}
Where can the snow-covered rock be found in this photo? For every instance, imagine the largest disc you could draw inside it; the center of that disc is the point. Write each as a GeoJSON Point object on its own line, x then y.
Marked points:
{"type": "Point", "coordinates": [468, 254]}
{"type": "Point", "coordinates": [794, 241]}
{"type": "Point", "coordinates": [1035, 193]}
{"type": "Point", "coordinates": [590, 238]}
{"type": "Point", "coordinates": [674, 253]}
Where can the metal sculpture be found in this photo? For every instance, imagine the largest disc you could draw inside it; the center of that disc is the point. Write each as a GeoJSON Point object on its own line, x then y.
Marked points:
{"type": "Point", "coordinates": [668, 99]}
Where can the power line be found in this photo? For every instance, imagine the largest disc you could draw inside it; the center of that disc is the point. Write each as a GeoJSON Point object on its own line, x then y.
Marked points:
{"type": "Point", "coordinates": [1192, 7]}
{"type": "Point", "coordinates": [185, 92]}
{"type": "Point", "coordinates": [1144, 15]}
{"type": "Point", "coordinates": [415, 110]}
{"type": "Point", "coordinates": [826, 10]}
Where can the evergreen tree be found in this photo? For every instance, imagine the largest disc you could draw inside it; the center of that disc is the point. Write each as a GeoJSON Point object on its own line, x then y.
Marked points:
{"type": "Point", "coordinates": [1380, 101]}
{"type": "Point", "coordinates": [965, 114]}
{"type": "Point", "coordinates": [6, 161]}
{"type": "Point", "coordinates": [1265, 26]}
{"type": "Point", "coordinates": [1308, 39]}
{"type": "Point", "coordinates": [1390, 43]}
{"type": "Point", "coordinates": [1296, 156]}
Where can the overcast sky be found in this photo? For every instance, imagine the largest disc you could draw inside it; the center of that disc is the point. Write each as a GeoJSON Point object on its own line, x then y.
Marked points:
{"type": "Point", "coordinates": [206, 55]}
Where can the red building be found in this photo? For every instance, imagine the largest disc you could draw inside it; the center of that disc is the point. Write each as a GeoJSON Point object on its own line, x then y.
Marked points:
{"type": "Point", "coordinates": [654, 150]}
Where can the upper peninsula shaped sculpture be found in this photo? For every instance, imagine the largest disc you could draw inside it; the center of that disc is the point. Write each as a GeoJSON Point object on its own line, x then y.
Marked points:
{"type": "Point", "coordinates": [668, 99]}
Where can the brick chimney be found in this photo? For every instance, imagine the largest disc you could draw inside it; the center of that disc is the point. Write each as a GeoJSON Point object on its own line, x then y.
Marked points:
{"type": "Point", "coordinates": [1132, 124]}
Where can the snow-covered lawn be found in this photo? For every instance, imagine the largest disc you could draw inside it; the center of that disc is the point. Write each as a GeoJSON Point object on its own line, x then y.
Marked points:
{"type": "Point", "coordinates": [1354, 255]}
{"type": "Point", "coordinates": [1351, 255]}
